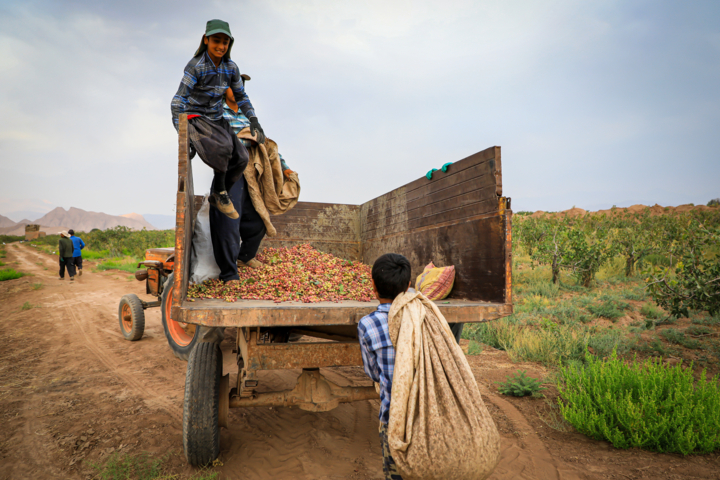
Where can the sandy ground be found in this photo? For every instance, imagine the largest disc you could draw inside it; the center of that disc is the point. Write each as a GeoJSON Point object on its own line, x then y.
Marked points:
{"type": "Point", "coordinates": [73, 391]}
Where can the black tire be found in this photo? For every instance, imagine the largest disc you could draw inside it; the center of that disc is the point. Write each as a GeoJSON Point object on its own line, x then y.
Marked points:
{"type": "Point", "coordinates": [201, 429]}
{"type": "Point", "coordinates": [131, 317]}
{"type": "Point", "coordinates": [180, 340]}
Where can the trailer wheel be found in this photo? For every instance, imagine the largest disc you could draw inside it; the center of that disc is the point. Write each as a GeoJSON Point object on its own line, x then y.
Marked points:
{"type": "Point", "coordinates": [181, 337]}
{"type": "Point", "coordinates": [201, 428]}
{"type": "Point", "coordinates": [132, 317]}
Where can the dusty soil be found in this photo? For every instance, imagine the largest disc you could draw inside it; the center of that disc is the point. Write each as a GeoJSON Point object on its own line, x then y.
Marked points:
{"type": "Point", "coordinates": [72, 391]}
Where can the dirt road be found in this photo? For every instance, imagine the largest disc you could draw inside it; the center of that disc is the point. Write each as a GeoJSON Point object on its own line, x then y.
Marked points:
{"type": "Point", "coordinates": [72, 391]}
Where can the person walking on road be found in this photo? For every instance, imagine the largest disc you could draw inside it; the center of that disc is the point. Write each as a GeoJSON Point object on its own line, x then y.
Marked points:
{"type": "Point", "coordinates": [78, 245]}
{"type": "Point", "coordinates": [65, 250]}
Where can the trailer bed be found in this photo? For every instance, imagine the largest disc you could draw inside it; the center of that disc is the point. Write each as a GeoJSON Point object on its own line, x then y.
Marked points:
{"type": "Point", "coordinates": [266, 313]}
{"type": "Point", "coordinates": [458, 217]}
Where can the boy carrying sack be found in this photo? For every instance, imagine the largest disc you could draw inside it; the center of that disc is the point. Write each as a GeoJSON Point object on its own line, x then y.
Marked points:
{"type": "Point", "coordinates": [436, 425]}
{"type": "Point", "coordinates": [439, 427]}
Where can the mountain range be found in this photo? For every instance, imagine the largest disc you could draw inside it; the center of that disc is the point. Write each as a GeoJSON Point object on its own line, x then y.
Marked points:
{"type": "Point", "coordinates": [79, 220]}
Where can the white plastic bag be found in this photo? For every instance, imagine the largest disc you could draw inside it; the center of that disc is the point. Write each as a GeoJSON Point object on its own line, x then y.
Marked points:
{"type": "Point", "coordinates": [202, 259]}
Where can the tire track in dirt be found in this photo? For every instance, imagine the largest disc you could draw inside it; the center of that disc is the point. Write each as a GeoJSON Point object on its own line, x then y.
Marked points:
{"type": "Point", "coordinates": [261, 442]}
{"type": "Point", "coordinates": [93, 342]}
{"type": "Point", "coordinates": [531, 460]}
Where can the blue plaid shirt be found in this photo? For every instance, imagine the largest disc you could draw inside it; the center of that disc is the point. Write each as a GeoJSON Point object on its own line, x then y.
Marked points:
{"type": "Point", "coordinates": [378, 354]}
{"type": "Point", "coordinates": [237, 122]}
{"type": "Point", "coordinates": [203, 86]}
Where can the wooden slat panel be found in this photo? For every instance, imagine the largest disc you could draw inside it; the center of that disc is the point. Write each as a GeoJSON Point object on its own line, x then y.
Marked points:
{"type": "Point", "coordinates": [482, 174]}
{"type": "Point", "coordinates": [217, 313]}
{"type": "Point", "coordinates": [480, 157]}
{"type": "Point", "coordinates": [458, 187]}
{"type": "Point", "coordinates": [487, 206]}
{"type": "Point", "coordinates": [476, 248]}
{"type": "Point", "coordinates": [467, 189]}
{"type": "Point", "coordinates": [183, 217]}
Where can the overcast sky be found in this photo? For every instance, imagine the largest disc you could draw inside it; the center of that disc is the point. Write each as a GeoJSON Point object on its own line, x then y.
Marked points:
{"type": "Point", "coordinates": [594, 103]}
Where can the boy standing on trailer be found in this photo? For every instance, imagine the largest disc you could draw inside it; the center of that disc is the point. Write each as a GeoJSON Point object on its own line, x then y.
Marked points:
{"type": "Point", "coordinates": [390, 278]}
{"type": "Point", "coordinates": [200, 95]}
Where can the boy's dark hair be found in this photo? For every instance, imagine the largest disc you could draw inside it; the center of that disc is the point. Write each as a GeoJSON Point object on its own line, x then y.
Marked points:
{"type": "Point", "coordinates": [391, 274]}
{"type": "Point", "coordinates": [71, 231]}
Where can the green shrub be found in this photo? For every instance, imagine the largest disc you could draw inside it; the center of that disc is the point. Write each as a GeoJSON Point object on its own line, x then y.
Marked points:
{"type": "Point", "coordinates": [712, 321]}
{"type": "Point", "coordinates": [675, 336]}
{"type": "Point", "coordinates": [496, 333]}
{"type": "Point", "coordinates": [541, 288]}
{"type": "Point", "coordinates": [11, 238]}
{"type": "Point", "coordinates": [474, 348]}
{"type": "Point", "coordinates": [611, 308]}
{"type": "Point", "coordinates": [644, 405]}
{"type": "Point", "coordinates": [95, 254]}
{"type": "Point", "coordinates": [550, 346]}
{"type": "Point", "coordinates": [9, 274]}
{"type": "Point", "coordinates": [127, 264]}
{"type": "Point", "coordinates": [694, 330]}
{"type": "Point", "coordinates": [520, 385]}
{"type": "Point", "coordinates": [634, 294]}
{"type": "Point", "coordinates": [604, 343]}
{"type": "Point", "coordinates": [651, 311]}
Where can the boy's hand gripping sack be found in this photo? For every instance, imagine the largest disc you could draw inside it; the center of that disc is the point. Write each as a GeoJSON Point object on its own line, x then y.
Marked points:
{"type": "Point", "coordinates": [439, 426]}
{"type": "Point", "coordinates": [435, 283]}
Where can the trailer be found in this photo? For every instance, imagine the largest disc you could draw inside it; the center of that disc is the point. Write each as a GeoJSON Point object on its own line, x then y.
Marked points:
{"type": "Point", "coordinates": [459, 217]}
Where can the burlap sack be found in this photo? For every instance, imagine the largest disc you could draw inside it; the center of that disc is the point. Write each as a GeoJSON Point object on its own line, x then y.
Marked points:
{"type": "Point", "coordinates": [271, 192]}
{"type": "Point", "coordinates": [439, 426]}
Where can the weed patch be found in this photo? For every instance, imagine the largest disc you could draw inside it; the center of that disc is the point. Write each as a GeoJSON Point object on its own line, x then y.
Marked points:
{"type": "Point", "coordinates": [520, 385]}
{"type": "Point", "coordinates": [127, 264]}
{"type": "Point", "coordinates": [9, 274]}
{"type": "Point", "coordinates": [645, 405]}
{"type": "Point", "coordinates": [649, 310]}
{"type": "Point", "coordinates": [677, 337]}
{"type": "Point", "coordinates": [474, 348]}
{"type": "Point", "coordinates": [140, 467]}
{"type": "Point", "coordinates": [611, 308]}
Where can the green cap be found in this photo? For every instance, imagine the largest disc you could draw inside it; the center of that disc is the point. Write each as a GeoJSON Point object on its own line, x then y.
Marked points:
{"type": "Point", "coordinates": [211, 28]}
{"type": "Point", "coordinates": [217, 26]}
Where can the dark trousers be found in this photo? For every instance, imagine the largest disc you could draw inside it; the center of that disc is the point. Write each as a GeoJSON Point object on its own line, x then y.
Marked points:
{"type": "Point", "coordinates": [457, 329]}
{"type": "Point", "coordinates": [67, 262]}
{"type": "Point", "coordinates": [237, 239]}
{"type": "Point", "coordinates": [219, 147]}
{"type": "Point", "coordinates": [77, 262]}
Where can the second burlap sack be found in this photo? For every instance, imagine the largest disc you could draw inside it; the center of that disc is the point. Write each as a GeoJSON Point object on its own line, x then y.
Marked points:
{"type": "Point", "coordinates": [439, 426]}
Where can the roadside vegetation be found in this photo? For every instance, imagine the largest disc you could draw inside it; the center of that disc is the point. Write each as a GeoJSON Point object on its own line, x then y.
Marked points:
{"type": "Point", "coordinates": [116, 248]}
{"type": "Point", "coordinates": [7, 273]}
{"type": "Point", "coordinates": [614, 304]}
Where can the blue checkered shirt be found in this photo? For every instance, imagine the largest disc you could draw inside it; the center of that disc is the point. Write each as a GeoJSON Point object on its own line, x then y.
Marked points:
{"type": "Point", "coordinates": [203, 86]}
{"type": "Point", "coordinates": [237, 122]}
{"type": "Point", "coordinates": [378, 354]}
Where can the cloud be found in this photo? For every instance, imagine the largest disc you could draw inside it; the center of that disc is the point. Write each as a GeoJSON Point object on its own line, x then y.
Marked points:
{"type": "Point", "coordinates": [590, 100]}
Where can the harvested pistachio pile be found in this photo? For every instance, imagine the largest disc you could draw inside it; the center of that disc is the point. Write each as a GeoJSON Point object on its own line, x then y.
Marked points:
{"type": "Point", "coordinates": [296, 274]}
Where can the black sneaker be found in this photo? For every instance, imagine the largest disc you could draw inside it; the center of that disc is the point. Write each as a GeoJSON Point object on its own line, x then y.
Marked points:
{"type": "Point", "coordinates": [221, 201]}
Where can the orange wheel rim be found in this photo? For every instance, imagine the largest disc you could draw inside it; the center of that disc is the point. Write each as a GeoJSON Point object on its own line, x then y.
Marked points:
{"type": "Point", "coordinates": [181, 333]}
{"type": "Point", "coordinates": [126, 317]}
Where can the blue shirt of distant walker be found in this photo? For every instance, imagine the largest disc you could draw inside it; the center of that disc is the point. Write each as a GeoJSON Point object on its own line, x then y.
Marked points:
{"type": "Point", "coordinates": [78, 245]}
{"type": "Point", "coordinates": [378, 354]}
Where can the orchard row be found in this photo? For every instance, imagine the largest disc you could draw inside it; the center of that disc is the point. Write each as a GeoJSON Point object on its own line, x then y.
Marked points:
{"type": "Point", "coordinates": [678, 255]}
